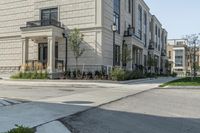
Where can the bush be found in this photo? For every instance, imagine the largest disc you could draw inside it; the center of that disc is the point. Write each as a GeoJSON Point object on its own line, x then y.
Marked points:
{"type": "Point", "coordinates": [174, 74]}
{"type": "Point", "coordinates": [21, 129]}
{"type": "Point", "coordinates": [118, 74]}
{"type": "Point", "coordinates": [67, 74]}
{"type": "Point", "coordinates": [89, 75]}
{"type": "Point", "coordinates": [30, 75]}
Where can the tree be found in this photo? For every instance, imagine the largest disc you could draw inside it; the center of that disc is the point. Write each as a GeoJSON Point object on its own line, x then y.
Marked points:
{"type": "Point", "coordinates": [126, 55]}
{"type": "Point", "coordinates": [194, 42]}
{"type": "Point", "coordinates": [151, 62]}
{"type": "Point", "coordinates": [75, 41]}
{"type": "Point", "coordinates": [168, 66]}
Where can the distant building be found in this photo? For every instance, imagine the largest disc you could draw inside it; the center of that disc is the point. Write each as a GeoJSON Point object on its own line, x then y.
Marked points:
{"type": "Point", "coordinates": [177, 50]}
{"type": "Point", "coordinates": [180, 56]}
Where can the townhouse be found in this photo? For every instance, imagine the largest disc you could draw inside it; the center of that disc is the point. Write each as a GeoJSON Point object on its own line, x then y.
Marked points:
{"type": "Point", "coordinates": [181, 56]}
{"type": "Point", "coordinates": [36, 31]}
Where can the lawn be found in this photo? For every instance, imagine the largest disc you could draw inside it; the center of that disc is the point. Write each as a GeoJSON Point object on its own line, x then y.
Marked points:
{"type": "Point", "coordinates": [183, 82]}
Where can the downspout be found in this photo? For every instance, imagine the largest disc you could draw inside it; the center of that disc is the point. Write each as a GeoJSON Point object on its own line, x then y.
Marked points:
{"type": "Point", "coordinates": [66, 50]}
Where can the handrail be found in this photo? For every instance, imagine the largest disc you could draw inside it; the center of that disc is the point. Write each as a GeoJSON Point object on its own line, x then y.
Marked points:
{"type": "Point", "coordinates": [39, 23]}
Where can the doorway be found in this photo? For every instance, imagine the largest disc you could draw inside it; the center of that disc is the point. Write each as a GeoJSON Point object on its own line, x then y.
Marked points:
{"type": "Point", "coordinates": [43, 53]}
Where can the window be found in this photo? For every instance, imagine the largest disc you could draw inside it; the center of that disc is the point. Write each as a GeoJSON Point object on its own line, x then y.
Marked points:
{"type": "Point", "coordinates": [159, 33]}
{"type": "Point", "coordinates": [49, 14]}
{"type": "Point", "coordinates": [116, 5]}
{"type": "Point", "coordinates": [129, 6]}
{"type": "Point", "coordinates": [170, 56]}
{"type": "Point", "coordinates": [156, 30]}
{"type": "Point", "coordinates": [140, 22]}
{"type": "Point", "coordinates": [179, 58]}
{"type": "Point", "coordinates": [145, 25]}
{"type": "Point", "coordinates": [117, 55]}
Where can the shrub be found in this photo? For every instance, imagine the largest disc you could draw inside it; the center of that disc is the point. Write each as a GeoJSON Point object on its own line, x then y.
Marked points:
{"type": "Point", "coordinates": [68, 74]}
{"type": "Point", "coordinates": [21, 129]}
{"type": "Point", "coordinates": [30, 75]}
{"type": "Point", "coordinates": [174, 74]}
{"type": "Point", "coordinates": [98, 74]}
{"type": "Point", "coordinates": [89, 75]}
{"type": "Point", "coordinates": [118, 74]}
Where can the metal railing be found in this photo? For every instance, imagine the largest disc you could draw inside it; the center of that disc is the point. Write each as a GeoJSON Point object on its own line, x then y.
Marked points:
{"type": "Point", "coordinates": [151, 45]}
{"type": "Point", "coordinates": [39, 23]}
{"type": "Point", "coordinates": [33, 65]}
{"type": "Point", "coordinates": [132, 32]}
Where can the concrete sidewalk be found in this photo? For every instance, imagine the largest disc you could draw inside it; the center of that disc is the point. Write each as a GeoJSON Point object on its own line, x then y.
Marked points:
{"type": "Point", "coordinates": [46, 110]}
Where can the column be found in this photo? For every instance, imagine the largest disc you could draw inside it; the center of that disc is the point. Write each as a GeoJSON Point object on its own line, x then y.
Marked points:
{"type": "Point", "coordinates": [25, 51]}
{"type": "Point", "coordinates": [51, 55]}
{"type": "Point", "coordinates": [131, 62]}
{"type": "Point", "coordinates": [141, 57]}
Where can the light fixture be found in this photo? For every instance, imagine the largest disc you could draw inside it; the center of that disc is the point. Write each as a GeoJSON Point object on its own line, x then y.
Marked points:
{"type": "Point", "coordinates": [114, 27]}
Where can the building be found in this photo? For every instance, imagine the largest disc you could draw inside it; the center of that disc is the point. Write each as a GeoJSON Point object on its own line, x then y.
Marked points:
{"type": "Point", "coordinates": [178, 55]}
{"type": "Point", "coordinates": [34, 31]}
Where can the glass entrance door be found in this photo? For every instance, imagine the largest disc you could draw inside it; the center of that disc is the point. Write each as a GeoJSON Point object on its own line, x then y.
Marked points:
{"type": "Point", "coordinates": [43, 53]}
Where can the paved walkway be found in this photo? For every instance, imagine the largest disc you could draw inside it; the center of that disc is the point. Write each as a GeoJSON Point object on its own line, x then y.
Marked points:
{"type": "Point", "coordinates": [46, 110]}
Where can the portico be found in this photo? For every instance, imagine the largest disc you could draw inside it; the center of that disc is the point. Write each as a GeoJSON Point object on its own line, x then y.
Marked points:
{"type": "Point", "coordinates": [47, 38]}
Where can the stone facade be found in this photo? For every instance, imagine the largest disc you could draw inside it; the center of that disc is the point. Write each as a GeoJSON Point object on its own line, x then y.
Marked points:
{"type": "Point", "coordinates": [20, 43]}
{"type": "Point", "coordinates": [178, 55]}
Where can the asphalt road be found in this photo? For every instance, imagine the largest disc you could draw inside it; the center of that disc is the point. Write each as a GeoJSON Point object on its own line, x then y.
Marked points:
{"type": "Point", "coordinates": [155, 111]}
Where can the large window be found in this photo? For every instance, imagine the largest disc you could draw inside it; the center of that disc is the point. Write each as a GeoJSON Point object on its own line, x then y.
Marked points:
{"type": "Point", "coordinates": [49, 14]}
{"type": "Point", "coordinates": [128, 5]}
{"type": "Point", "coordinates": [116, 5]}
{"type": "Point", "coordinates": [140, 22]}
{"type": "Point", "coordinates": [145, 25]}
{"type": "Point", "coordinates": [179, 58]}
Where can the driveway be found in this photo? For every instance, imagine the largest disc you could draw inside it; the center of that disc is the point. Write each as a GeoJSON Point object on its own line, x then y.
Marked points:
{"type": "Point", "coordinates": [169, 110]}
{"type": "Point", "coordinates": [34, 103]}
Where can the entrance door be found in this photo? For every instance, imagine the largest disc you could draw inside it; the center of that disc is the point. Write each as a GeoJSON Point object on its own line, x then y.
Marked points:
{"type": "Point", "coordinates": [43, 53]}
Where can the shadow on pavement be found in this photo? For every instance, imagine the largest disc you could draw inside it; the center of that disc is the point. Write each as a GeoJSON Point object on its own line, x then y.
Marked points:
{"type": "Point", "coordinates": [108, 121]}
{"type": "Point", "coordinates": [96, 120]}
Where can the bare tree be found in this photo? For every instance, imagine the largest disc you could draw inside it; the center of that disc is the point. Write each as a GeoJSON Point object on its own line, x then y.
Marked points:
{"type": "Point", "coordinates": [194, 42]}
{"type": "Point", "coordinates": [75, 41]}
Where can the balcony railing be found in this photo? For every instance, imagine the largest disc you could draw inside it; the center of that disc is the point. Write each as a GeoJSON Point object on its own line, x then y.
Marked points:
{"type": "Point", "coordinates": [34, 65]}
{"type": "Point", "coordinates": [131, 32]}
{"type": "Point", "coordinates": [41, 23]}
{"type": "Point", "coordinates": [163, 52]}
{"type": "Point", "coordinates": [151, 45]}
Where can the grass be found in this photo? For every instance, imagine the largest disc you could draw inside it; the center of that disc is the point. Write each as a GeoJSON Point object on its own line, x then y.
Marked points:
{"type": "Point", "coordinates": [183, 82]}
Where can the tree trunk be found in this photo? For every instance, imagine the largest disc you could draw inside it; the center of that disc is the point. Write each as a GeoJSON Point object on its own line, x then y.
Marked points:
{"type": "Point", "coordinates": [76, 67]}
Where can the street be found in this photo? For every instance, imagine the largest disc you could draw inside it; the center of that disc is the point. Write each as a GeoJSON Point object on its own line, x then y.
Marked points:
{"type": "Point", "coordinates": [85, 107]}
{"type": "Point", "coordinates": [154, 111]}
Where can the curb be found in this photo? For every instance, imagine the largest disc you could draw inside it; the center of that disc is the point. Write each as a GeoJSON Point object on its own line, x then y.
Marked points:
{"type": "Point", "coordinates": [82, 81]}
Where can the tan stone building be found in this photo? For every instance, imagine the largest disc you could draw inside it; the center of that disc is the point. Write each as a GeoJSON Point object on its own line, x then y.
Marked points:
{"type": "Point", "coordinates": [178, 55]}
{"type": "Point", "coordinates": [34, 31]}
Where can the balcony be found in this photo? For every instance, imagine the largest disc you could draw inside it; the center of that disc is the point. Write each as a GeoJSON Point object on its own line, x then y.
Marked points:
{"type": "Point", "coordinates": [36, 30]}
{"type": "Point", "coordinates": [151, 45]}
{"type": "Point", "coordinates": [163, 52]}
{"type": "Point", "coordinates": [131, 32]}
{"type": "Point", "coordinates": [41, 23]}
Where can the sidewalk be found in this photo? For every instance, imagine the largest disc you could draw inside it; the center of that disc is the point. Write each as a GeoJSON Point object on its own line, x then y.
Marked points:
{"type": "Point", "coordinates": [66, 82]}
{"type": "Point", "coordinates": [47, 110]}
